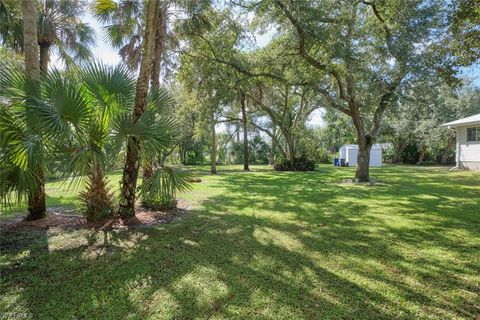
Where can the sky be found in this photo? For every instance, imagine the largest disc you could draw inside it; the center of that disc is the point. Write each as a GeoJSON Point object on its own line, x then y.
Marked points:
{"type": "Point", "coordinates": [105, 53]}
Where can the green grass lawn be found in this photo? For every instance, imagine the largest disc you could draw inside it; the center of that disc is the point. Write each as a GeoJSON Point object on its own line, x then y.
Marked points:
{"type": "Point", "coordinates": [266, 245]}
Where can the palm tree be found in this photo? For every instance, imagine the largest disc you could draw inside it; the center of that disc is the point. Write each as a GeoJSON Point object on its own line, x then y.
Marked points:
{"type": "Point", "coordinates": [132, 159]}
{"type": "Point", "coordinates": [36, 194]}
{"type": "Point", "coordinates": [102, 94]}
{"type": "Point", "coordinates": [59, 27]}
{"type": "Point", "coordinates": [124, 25]}
{"type": "Point", "coordinates": [160, 190]}
{"type": "Point", "coordinates": [24, 142]}
{"type": "Point", "coordinates": [11, 24]}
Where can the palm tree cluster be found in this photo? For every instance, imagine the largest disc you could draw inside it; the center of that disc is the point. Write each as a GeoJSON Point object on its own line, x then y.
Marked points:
{"type": "Point", "coordinates": [76, 124]}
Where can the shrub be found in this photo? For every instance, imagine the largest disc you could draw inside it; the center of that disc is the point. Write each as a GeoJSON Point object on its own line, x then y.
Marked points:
{"type": "Point", "coordinates": [160, 190]}
{"type": "Point", "coordinates": [299, 164]}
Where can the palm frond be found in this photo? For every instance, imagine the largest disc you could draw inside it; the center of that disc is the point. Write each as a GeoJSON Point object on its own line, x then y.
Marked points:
{"type": "Point", "coordinates": [160, 190]}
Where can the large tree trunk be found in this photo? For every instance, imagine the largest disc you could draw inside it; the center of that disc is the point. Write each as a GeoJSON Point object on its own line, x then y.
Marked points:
{"type": "Point", "coordinates": [243, 103]}
{"type": "Point", "coordinates": [213, 152]}
{"type": "Point", "coordinates": [132, 159]}
{"type": "Point", "coordinates": [447, 151]}
{"type": "Point", "coordinates": [271, 160]}
{"type": "Point", "coordinates": [44, 57]}
{"type": "Point", "coordinates": [364, 141]}
{"type": "Point", "coordinates": [36, 198]}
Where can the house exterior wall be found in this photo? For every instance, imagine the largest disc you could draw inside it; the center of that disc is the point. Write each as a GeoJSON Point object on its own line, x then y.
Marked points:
{"type": "Point", "coordinates": [468, 153]}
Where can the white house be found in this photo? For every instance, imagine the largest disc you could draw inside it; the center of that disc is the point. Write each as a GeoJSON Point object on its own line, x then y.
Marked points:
{"type": "Point", "coordinates": [349, 152]}
{"type": "Point", "coordinates": [468, 141]}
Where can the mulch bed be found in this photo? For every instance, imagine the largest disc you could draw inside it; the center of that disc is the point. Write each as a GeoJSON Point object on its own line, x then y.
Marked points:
{"type": "Point", "coordinates": [67, 218]}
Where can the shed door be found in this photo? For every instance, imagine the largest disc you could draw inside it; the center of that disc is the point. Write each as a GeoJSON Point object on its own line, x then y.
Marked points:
{"type": "Point", "coordinates": [352, 155]}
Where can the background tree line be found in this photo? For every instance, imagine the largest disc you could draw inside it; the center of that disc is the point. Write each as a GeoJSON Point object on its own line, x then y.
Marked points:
{"type": "Point", "coordinates": [195, 87]}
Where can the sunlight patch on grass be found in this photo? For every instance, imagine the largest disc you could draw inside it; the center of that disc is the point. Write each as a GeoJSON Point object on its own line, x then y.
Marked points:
{"type": "Point", "coordinates": [269, 237]}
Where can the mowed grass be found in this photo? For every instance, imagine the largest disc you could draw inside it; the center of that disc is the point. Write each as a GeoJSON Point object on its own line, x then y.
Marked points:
{"type": "Point", "coordinates": [268, 245]}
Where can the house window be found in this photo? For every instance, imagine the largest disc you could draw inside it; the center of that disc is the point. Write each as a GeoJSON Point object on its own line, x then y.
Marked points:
{"type": "Point", "coordinates": [473, 134]}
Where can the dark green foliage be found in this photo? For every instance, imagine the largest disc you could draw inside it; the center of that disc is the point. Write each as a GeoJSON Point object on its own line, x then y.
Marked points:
{"type": "Point", "coordinates": [258, 150]}
{"type": "Point", "coordinates": [160, 190]}
{"type": "Point", "coordinates": [300, 164]}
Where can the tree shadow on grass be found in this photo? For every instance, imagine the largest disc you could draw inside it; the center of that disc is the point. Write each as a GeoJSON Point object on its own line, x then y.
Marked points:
{"type": "Point", "coordinates": [276, 246]}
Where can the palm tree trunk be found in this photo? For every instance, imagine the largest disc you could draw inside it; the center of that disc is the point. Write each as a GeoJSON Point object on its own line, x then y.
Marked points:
{"type": "Point", "coordinates": [132, 159]}
{"type": "Point", "coordinates": [243, 103]}
{"type": "Point", "coordinates": [160, 33]}
{"type": "Point", "coordinates": [36, 198]}
{"type": "Point", "coordinates": [30, 40]}
{"type": "Point", "coordinates": [37, 208]}
{"type": "Point", "coordinates": [44, 57]}
{"type": "Point", "coordinates": [97, 199]}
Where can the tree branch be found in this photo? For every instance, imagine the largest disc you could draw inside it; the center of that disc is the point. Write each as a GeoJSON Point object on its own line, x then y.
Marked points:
{"type": "Point", "coordinates": [304, 53]}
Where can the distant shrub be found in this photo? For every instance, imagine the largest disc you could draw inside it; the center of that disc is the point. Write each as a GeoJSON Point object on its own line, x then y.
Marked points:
{"type": "Point", "coordinates": [299, 164]}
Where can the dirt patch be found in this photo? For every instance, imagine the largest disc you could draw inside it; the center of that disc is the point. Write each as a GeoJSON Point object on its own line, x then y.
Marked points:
{"type": "Point", "coordinates": [372, 182]}
{"type": "Point", "coordinates": [67, 218]}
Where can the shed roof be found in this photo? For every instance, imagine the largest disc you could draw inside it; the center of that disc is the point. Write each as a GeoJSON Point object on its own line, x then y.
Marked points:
{"type": "Point", "coordinates": [355, 146]}
{"type": "Point", "coordinates": [475, 119]}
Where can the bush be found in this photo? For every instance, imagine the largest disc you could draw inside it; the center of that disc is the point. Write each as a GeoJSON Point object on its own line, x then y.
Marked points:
{"type": "Point", "coordinates": [299, 164]}
{"type": "Point", "coordinates": [160, 190]}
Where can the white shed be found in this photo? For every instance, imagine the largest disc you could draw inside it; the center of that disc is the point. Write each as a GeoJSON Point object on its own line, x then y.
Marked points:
{"type": "Point", "coordinates": [349, 152]}
{"type": "Point", "coordinates": [468, 141]}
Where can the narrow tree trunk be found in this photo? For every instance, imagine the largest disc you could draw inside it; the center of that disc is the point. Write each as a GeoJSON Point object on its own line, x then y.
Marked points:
{"type": "Point", "coordinates": [243, 103]}
{"type": "Point", "coordinates": [183, 153]}
{"type": "Point", "coordinates": [132, 160]}
{"type": "Point", "coordinates": [422, 155]}
{"type": "Point", "coordinates": [399, 152]}
{"type": "Point", "coordinates": [160, 34]}
{"type": "Point", "coordinates": [447, 151]}
{"type": "Point", "coordinates": [271, 160]}
{"type": "Point", "coordinates": [213, 152]}
{"type": "Point", "coordinates": [238, 134]}
{"type": "Point", "coordinates": [36, 197]}
{"type": "Point", "coordinates": [291, 149]}
{"type": "Point", "coordinates": [44, 57]}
